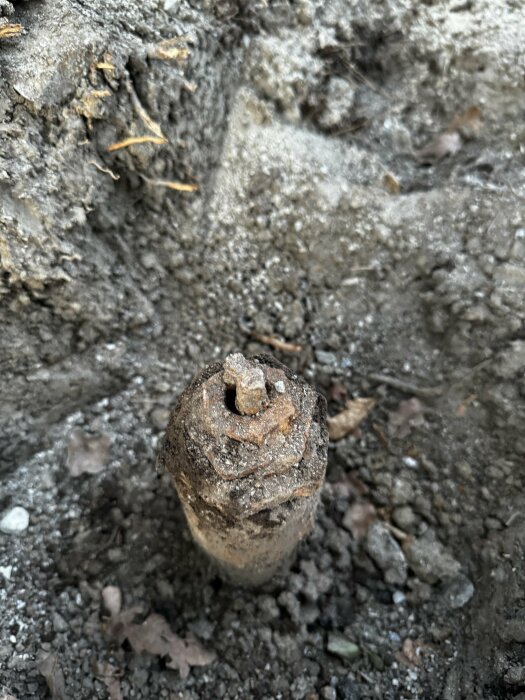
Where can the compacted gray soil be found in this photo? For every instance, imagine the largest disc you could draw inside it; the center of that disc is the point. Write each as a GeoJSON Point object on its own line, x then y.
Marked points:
{"type": "Point", "coordinates": [361, 196]}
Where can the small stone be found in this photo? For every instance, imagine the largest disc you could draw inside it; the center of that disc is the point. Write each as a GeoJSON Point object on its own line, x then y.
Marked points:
{"type": "Point", "coordinates": [458, 592]}
{"type": "Point", "coordinates": [376, 660]}
{"type": "Point", "coordinates": [398, 597]}
{"type": "Point", "coordinates": [513, 631]}
{"type": "Point", "coordinates": [160, 417]}
{"type": "Point", "coordinates": [14, 521]}
{"type": "Point", "coordinates": [464, 470]}
{"type": "Point", "coordinates": [515, 675]}
{"type": "Point", "coordinates": [6, 572]}
{"type": "Point", "coordinates": [343, 647]}
{"type": "Point", "coordinates": [328, 693]}
{"type": "Point", "coordinates": [386, 553]}
{"type": "Point", "coordinates": [325, 358]}
{"type": "Point", "coordinates": [59, 624]}
{"type": "Point", "coordinates": [279, 387]}
{"type": "Point", "coordinates": [404, 517]}
{"type": "Point", "coordinates": [430, 560]}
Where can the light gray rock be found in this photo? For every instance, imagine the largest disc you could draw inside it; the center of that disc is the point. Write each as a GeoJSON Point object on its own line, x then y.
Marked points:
{"type": "Point", "coordinates": [15, 521]}
{"type": "Point", "coordinates": [386, 553]}
{"type": "Point", "coordinates": [429, 559]}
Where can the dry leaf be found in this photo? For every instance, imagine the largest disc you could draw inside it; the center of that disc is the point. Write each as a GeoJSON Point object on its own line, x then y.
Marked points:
{"type": "Point", "coordinates": [49, 667]}
{"type": "Point", "coordinates": [112, 599]}
{"type": "Point", "coordinates": [358, 518]}
{"type": "Point", "coordinates": [281, 345]}
{"type": "Point", "coordinates": [155, 636]}
{"type": "Point", "coordinates": [87, 454]}
{"type": "Point", "coordinates": [408, 415]}
{"type": "Point", "coordinates": [355, 411]}
{"type": "Point", "coordinates": [9, 30]}
{"type": "Point", "coordinates": [447, 144]}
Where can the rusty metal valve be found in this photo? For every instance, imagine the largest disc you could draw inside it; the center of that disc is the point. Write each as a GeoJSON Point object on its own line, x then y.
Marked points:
{"type": "Point", "coordinates": [246, 447]}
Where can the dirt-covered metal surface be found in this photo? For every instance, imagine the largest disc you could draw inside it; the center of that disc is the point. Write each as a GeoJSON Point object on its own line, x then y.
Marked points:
{"type": "Point", "coordinates": [355, 196]}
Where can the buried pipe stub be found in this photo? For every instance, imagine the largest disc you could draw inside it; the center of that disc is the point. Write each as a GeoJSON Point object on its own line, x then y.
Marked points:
{"type": "Point", "coordinates": [246, 447]}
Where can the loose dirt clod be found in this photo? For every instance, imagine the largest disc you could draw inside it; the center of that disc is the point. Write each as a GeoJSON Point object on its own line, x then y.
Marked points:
{"type": "Point", "coordinates": [246, 447]}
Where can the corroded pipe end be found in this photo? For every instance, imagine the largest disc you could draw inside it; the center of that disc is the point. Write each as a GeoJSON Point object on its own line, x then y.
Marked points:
{"type": "Point", "coordinates": [246, 446]}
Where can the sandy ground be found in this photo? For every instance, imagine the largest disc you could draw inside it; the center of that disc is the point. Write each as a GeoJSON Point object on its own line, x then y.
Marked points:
{"type": "Point", "coordinates": [360, 193]}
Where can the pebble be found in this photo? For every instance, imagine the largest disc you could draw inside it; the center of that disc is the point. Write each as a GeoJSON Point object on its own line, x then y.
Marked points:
{"type": "Point", "coordinates": [325, 358]}
{"type": "Point", "coordinates": [398, 597]}
{"type": "Point", "coordinates": [160, 417]}
{"type": "Point", "coordinates": [386, 553]}
{"type": "Point", "coordinates": [6, 572]}
{"type": "Point", "coordinates": [14, 521]}
{"type": "Point", "coordinates": [458, 592]}
{"type": "Point", "coordinates": [343, 647]}
{"type": "Point", "coordinates": [430, 560]}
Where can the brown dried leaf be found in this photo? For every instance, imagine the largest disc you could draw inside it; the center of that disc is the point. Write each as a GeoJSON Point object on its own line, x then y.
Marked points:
{"type": "Point", "coordinates": [112, 599]}
{"type": "Point", "coordinates": [49, 667]}
{"type": "Point", "coordinates": [171, 50]}
{"type": "Point", "coordinates": [355, 411]}
{"type": "Point", "coordinates": [408, 415]}
{"type": "Point", "coordinates": [155, 636]}
{"type": "Point", "coordinates": [87, 454]}
{"type": "Point", "coordinates": [446, 144]}
{"type": "Point", "coordinates": [358, 518]}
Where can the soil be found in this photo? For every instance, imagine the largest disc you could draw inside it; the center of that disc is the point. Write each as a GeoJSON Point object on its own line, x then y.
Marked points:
{"type": "Point", "coordinates": [361, 194]}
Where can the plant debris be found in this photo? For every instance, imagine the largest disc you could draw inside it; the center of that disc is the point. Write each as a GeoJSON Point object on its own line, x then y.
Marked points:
{"type": "Point", "coordinates": [409, 414]}
{"type": "Point", "coordinates": [410, 654]}
{"type": "Point", "coordinates": [172, 184]}
{"type": "Point", "coordinates": [358, 518]}
{"type": "Point", "coordinates": [104, 169]}
{"type": "Point", "coordinates": [391, 183]}
{"type": "Point", "coordinates": [10, 30]}
{"type": "Point", "coordinates": [155, 636]}
{"type": "Point", "coordinates": [134, 140]}
{"type": "Point", "coordinates": [278, 344]}
{"type": "Point", "coordinates": [171, 50]}
{"type": "Point", "coordinates": [345, 422]}
{"type": "Point", "coordinates": [87, 454]}
{"type": "Point", "coordinates": [111, 677]}
{"type": "Point", "coordinates": [149, 123]}
{"type": "Point", "coordinates": [462, 407]}
{"type": "Point", "coordinates": [49, 667]}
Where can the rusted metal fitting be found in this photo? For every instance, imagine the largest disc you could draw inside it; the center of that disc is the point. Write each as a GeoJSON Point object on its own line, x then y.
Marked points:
{"type": "Point", "coordinates": [246, 446]}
